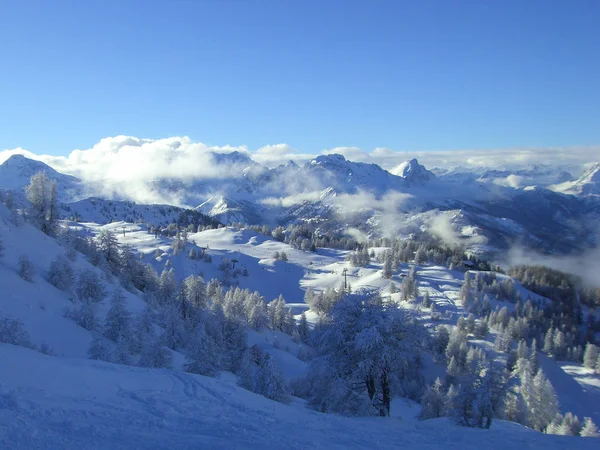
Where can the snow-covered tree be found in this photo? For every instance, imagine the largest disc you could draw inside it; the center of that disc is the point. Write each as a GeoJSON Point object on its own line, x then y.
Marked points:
{"type": "Point", "coordinates": [43, 203]}
{"type": "Point", "coordinates": [365, 348]}
{"type": "Point", "coordinates": [173, 335]}
{"type": "Point", "coordinates": [303, 329]}
{"type": "Point", "coordinates": [256, 311]}
{"type": "Point", "coordinates": [89, 286]}
{"type": "Point", "coordinates": [433, 401]}
{"type": "Point", "coordinates": [12, 331]}
{"type": "Point", "coordinates": [122, 353]}
{"type": "Point", "coordinates": [386, 271]}
{"type": "Point", "coordinates": [426, 300]}
{"type": "Point", "coordinates": [167, 289]}
{"type": "Point", "coordinates": [84, 314]}
{"type": "Point", "coordinates": [108, 246]}
{"type": "Point", "coordinates": [276, 311]}
{"type": "Point", "coordinates": [203, 357]}
{"type": "Point", "coordinates": [195, 291]}
{"type": "Point", "coordinates": [589, 428]}
{"type": "Point", "coordinates": [271, 383]}
{"type": "Point", "coordinates": [99, 349]}
{"type": "Point", "coordinates": [117, 325]}
{"type": "Point", "coordinates": [472, 403]}
{"type": "Point", "coordinates": [61, 274]}
{"type": "Point", "coordinates": [590, 356]}
{"type": "Point", "coordinates": [153, 354]}
{"type": "Point", "coordinates": [548, 342]}
{"type": "Point", "coordinates": [26, 269]}
{"type": "Point", "coordinates": [541, 401]}
{"type": "Point", "coordinates": [559, 345]}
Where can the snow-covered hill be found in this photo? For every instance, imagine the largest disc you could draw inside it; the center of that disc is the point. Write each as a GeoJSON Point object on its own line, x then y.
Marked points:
{"type": "Point", "coordinates": [67, 403]}
{"type": "Point", "coordinates": [73, 402]}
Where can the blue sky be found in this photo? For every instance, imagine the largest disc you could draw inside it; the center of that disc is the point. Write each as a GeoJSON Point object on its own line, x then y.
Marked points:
{"type": "Point", "coordinates": [419, 75]}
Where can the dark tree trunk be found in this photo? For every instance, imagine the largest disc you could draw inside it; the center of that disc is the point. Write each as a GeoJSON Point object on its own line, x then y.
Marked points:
{"type": "Point", "coordinates": [385, 390]}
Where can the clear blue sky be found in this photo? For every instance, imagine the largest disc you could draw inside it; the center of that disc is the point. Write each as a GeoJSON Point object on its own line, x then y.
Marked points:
{"type": "Point", "coordinates": [418, 75]}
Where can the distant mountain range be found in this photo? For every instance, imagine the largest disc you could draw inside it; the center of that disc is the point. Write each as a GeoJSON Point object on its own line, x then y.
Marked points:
{"type": "Point", "coordinates": [486, 209]}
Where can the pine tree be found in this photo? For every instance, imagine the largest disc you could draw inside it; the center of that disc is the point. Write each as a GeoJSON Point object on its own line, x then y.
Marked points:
{"type": "Point", "coordinates": [117, 325]}
{"type": "Point", "coordinates": [590, 356]}
{"type": "Point", "coordinates": [533, 360]}
{"type": "Point", "coordinates": [542, 402]}
{"type": "Point", "coordinates": [122, 354]}
{"type": "Point", "coordinates": [426, 300]}
{"type": "Point", "coordinates": [433, 401]}
{"type": "Point", "coordinates": [195, 291]}
{"type": "Point", "coordinates": [559, 345]}
{"type": "Point", "coordinates": [589, 428]}
{"type": "Point", "coordinates": [174, 331]}
{"type": "Point", "coordinates": [202, 354]}
{"type": "Point", "coordinates": [303, 329]}
{"type": "Point", "coordinates": [548, 342]}
{"type": "Point", "coordinates": [167, 289]}
{"type": "Point", "coordinates": [108, 246]}
{"type": "Point", "coordinates": [153, 354]}
{"type": "Point", "coordinates": [386, 271]}
{"type": "Point", "coordinates": [271, 383]}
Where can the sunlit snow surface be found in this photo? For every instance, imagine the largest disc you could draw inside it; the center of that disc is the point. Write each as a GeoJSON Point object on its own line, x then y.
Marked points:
{"type": "Point", "coordinates": [67, 401]}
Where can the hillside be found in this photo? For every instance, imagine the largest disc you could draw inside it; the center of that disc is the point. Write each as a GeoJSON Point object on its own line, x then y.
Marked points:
{"type": "Point", "coordinates": [163, 406]}
{"type": "Point", "coordinates": [74, 403]}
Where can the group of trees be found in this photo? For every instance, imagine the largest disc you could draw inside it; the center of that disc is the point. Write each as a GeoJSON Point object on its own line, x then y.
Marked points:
{"type": "Point", "coordinates": [561, 332]}
{"type": "Point", "coordinates": [476, 389]}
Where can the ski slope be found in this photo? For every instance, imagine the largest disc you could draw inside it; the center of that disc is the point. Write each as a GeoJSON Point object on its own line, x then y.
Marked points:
{"type": "Point", "coordinates": [69, 403]}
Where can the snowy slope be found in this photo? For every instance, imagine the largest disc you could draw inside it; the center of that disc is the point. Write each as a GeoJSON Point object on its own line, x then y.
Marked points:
{"type": "Point", "coordinates": [71, 401]}
{"type": "Point", "coordinates": [100, 210]}
{"type": "Point", "coordinates": [39, 305]}
{"type": "Point", "coordinates": [587, 184]}
{"type": "Point", "coordinates": [50, 402]}
{"type": "Point", "coordinates": [322, 270]}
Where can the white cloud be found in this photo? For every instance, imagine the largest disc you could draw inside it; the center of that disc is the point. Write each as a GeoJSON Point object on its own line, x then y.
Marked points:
{"type": "Point", "coordinates": [477, 158]}
{"type": "Point", "coordinates": [274, 155]}
{"type": "Point", "coordinates": [291, 200]}
{"type": "Point", "coordinates": [125, 164]}
{"type": "Point", "coordinates": [586, 265]}
{"type": "Point", "coordinates": [441, 226]}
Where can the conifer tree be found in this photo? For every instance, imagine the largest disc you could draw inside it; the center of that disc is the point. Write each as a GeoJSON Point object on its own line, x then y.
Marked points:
{"type": "Point", "coordinates": [590, 356]}
{"type": "Point", "coordinates": [117, 325]}
{"type": "Point", "coordinates": [589, 428]}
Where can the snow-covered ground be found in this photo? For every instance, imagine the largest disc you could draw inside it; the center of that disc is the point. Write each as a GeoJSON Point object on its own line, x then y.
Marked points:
{"type": "Point", "coordinates": [70, 403]}
{"type": "Point", "coordinates": [67, 401]}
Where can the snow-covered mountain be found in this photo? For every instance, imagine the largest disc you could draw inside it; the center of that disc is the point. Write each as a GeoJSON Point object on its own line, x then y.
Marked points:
{"type": "Point", "coordinates": [587, 184]}
{"type": "Point", "coordinates": [16, 172]}
{"type": "Point", "coordinates": [332, 192]}
{"type": "Point", "coordinates": [412, 172]}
